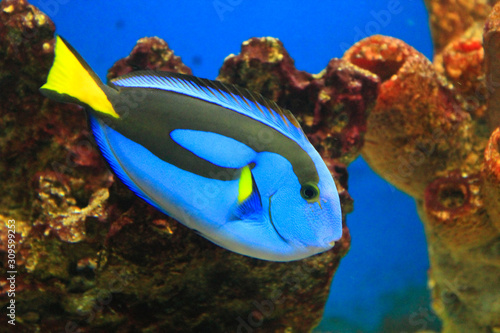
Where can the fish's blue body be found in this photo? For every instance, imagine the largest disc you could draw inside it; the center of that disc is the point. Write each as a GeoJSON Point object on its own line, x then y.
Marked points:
{"type": "Point", "coordinates": [219, 159]}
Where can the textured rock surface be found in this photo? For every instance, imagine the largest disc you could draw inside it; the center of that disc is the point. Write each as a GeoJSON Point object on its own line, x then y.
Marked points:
{"type": "Point", "coordinates": [491, 176]}
{"type": "Point", "coordinates": [430, 134]}
{"type": "Point", "coordinates": [492, 66]}
{"type": "Point", "coordinates": [450, 19]}
{"type": "Point", "coordinates": [417, 122]}
{"type": "Point", "coordinates": [149, 53]}
{"type": "Point", "coordinates": [92, 257]}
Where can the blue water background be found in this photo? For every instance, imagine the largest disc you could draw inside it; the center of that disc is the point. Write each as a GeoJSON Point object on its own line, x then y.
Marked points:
{"type": "Point", "coordinates": [383, 277]}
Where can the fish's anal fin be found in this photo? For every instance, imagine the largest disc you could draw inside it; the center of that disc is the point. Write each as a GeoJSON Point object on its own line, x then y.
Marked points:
{"type": "Point", "coordinates": [249, 204]}
{"type": "Point", "coordinates": [71, 80]}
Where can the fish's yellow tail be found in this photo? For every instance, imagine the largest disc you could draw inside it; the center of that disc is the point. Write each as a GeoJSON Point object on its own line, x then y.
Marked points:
{"type": "Point", "coordinates": [71, 80]}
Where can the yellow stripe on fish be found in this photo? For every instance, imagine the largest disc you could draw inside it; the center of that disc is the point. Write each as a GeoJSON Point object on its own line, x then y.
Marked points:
{"type": "Point", "coordinates": [245, 184]}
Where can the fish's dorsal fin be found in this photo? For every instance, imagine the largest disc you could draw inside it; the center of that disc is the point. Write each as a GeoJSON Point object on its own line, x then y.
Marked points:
{"type": "Point", "coordinates": [230, 96]}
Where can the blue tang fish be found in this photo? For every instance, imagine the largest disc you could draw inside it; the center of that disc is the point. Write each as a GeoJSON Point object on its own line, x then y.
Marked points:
{"type": "Point", "coordinates": [218, 158]}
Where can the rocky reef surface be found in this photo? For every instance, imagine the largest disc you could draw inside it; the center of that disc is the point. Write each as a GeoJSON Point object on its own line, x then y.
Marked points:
{"type": "Point", "coordinates": [92, 257]}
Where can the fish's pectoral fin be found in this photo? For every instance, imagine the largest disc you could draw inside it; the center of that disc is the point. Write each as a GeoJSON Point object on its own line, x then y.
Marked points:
{"type": "Point", "coordinates": [248, 204]}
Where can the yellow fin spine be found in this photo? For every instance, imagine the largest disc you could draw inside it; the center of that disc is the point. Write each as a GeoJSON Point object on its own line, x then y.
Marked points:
{"type": "Point", "coordinates": [245, 186]}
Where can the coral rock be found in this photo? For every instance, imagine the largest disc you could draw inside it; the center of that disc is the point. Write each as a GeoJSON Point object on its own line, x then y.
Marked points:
{"type": "Point", "coordinates": [449, 19]}
{"type": "Point", "coordinates": [492, 65]}
{"type": "Point", "coordinates": [465, 288]}
{"type": "Point", "coordinates": [345, 96]}
{"type": "Point", "coordinates": [416, 122]}
{"type": "Point", "coordinates": [149, 53]}
{"type": "Point", "coordinates": [461, 62]}
{"type": "Point", "coordinates": [59, 211]}
{"type": "Point", "coordinates": [491, 175]}
{"type": "Point", "coordinates": [455, 214]}
{"type": "Point", "coordinates": [427, 134]}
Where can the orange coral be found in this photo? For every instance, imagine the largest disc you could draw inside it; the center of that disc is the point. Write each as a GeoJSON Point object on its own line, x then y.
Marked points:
{"type": "Point", "coordinates": [462, 64]}
{"type": "Point", "coordinates": [450, 19]}
{"type": "Point", "coordinates": [417, 121]}
{"type": "Point", "coordinates": [428, 135]}
{"type": "Point", "coordinates": [455, 214]}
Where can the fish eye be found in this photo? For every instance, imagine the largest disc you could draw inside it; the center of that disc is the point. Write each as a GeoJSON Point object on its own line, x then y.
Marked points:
{"type": "Point", "coordinates": [309, 191]}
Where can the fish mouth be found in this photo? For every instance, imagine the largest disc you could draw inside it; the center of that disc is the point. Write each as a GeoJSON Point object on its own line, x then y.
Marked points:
{"type": "Point", "coordinates": [271, 219]}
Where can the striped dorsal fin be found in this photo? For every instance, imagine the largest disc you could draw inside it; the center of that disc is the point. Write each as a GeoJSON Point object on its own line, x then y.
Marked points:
{"type": "Point", "coordinates": [229, 96]}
